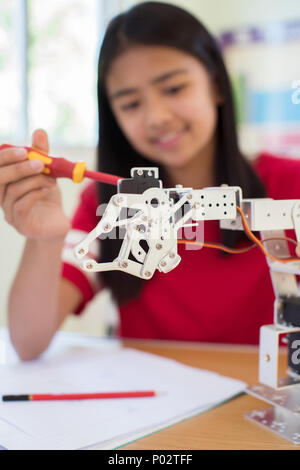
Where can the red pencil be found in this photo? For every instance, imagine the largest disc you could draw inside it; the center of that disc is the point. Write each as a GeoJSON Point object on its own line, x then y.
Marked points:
{"type": "Point", "coordinates": [79, 396]}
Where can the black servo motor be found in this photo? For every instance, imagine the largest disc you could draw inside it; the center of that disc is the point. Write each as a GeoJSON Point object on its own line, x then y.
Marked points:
{"type": "Point", "coordinates": [143, 178]}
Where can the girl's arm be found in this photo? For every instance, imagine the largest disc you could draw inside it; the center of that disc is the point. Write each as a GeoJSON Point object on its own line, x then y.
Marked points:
{"type": "Point", "coordinates": [39, 299]}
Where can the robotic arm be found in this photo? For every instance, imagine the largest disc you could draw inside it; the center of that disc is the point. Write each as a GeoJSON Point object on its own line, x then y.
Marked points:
{"type": "Point", "coordinates": [159, 213]}
{"type": "Point", "coordinates": [150, 244]}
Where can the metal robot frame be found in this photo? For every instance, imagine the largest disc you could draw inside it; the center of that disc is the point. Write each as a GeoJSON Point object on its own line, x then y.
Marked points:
{"type": "Point", "coordinates": [158, 213]}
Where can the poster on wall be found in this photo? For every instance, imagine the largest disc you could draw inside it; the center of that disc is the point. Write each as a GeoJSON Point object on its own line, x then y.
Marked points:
{"type": "Point", "coordinates": [264, 65]}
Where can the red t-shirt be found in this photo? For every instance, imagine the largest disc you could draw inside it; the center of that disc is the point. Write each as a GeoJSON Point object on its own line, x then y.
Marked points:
{"type": "Point", "coordinates": [208, 297]}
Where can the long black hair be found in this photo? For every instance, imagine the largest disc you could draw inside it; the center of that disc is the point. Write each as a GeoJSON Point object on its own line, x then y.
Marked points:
{"type": "Point", "coordinates": [154, 23]}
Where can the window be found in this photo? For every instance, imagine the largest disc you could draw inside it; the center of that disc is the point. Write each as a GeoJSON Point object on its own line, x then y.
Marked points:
{"type": "Point", "coordinates": [10, 90]}
{"type": "Point", "coordinates": [48, 69]}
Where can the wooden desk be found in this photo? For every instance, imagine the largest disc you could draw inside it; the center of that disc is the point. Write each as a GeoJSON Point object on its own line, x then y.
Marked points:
{"type": "Point", "coordinates": [224, 427]}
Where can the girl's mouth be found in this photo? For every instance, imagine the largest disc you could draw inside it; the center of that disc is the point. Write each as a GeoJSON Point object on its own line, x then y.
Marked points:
{"type": "Point", "coordinates": [170, 139]}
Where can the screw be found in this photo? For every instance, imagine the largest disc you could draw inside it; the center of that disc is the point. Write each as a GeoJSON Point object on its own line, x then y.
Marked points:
{"type": "Point", "coordinates": [163, 263]}
{"type": "Point", "coordinates": [196, 205]}
{"type": "Point", "coordinates": [189, 196]}
{"type": "Point", "coordinates": [124, 264]}
{"type": "Point", "coordinates": [81, 251]}
{"type": "Point", "coordinates": [140, 228]}
{"type": "Point", "coordinates": [267, 358]}
{"type": "Point", "coordinates": [140, 172]}
{"type": "Point", "coordinates": [172, 255]}
{"type": "Point", "coordinates": [107, 227]}
{"type": "Point", "coordinates": [158, 246]}
{"type": "Point", "coordinates": [89, 265]}
{"type": "Point", "coordinates": [147, 274]}
{"type": "Point", "coordinates": [118, 200]}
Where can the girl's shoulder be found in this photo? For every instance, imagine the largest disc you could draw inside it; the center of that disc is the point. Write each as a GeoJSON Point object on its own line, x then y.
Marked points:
{"type": "Point", "coordinates": [85, 216]}
{"type": "Point", "coordinates": [89, 194]}
{"type": "Point", "coordinates": [280, 175]}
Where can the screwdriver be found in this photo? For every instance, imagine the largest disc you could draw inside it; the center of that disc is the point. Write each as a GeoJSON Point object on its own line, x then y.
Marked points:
{"type": "Point", "coordinates": [60, 167]}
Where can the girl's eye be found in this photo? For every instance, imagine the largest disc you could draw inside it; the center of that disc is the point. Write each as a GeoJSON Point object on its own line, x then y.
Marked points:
{"type": "Point", "coordinates": [130, 106]}
{"type": "Point", "coordinates": [175, 89]}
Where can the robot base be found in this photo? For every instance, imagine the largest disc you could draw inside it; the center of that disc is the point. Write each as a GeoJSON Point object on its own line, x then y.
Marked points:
{"type": "Point", "coordinates": [283, 417]}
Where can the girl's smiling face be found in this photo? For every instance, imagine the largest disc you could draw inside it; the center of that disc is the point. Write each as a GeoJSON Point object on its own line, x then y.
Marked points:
{"type": "Point", "coordinates": [164, 102]}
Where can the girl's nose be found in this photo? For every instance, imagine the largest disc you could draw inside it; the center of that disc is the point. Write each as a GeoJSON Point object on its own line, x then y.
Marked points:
{"type": "Point", "coordinates": [158, 114]}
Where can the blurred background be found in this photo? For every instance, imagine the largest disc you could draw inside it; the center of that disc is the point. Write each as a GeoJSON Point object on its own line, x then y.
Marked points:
{"type": "Point", "coordinates": [48, 70]}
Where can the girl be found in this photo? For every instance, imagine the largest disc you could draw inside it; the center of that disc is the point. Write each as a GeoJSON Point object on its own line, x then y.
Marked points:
{"type": "Point", "coordinates": [164, 100]}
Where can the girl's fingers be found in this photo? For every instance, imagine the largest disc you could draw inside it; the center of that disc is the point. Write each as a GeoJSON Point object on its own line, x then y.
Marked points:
{"type": "Point", "coordinates": [23, 205]}
{"type": "Point", "coordinates": [10, 156]}
{"type": "Point", "coordinates": [18, 189]}
{"type": "Point", "coordinates": [40, 140]}
{"type": "Point", "coordinates": [17, 171]}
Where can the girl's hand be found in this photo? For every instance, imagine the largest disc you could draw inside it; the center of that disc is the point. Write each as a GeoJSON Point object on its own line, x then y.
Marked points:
{"type": "Point", "coordinates": [31, 201]}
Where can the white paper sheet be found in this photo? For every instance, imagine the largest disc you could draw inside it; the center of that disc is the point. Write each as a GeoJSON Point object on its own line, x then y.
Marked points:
{"type": "Point", "coordinates": [108, 423]}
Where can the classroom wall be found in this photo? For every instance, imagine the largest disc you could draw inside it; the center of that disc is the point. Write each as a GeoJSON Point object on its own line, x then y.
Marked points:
{"type": "Point", "coordinates": [219, 15]}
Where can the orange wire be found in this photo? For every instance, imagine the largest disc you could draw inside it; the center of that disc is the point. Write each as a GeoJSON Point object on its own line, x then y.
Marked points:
{"type": "Point", "coordinates": [258, 242]}
{"type": "Point", "coordinates": [252, 237]}
{"type": "Point", "coordinates": [219, 246]}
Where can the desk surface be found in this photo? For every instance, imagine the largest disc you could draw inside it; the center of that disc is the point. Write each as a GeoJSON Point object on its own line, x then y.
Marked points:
{"type": "Point", "coordinates": [225, 426]}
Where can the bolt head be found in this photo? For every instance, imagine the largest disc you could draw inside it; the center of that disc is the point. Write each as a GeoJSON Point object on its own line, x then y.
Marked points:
{"type": "Point", "coordinates": [81, 251]}
{"type": "Point", "coordinates": [147, 274]}
{"type": "Point", "coordinates": [158, 246]}
{"type": "Point", "coordinates": [163, 263]}
{"type": "Point", "coordinates": [172, 255]}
